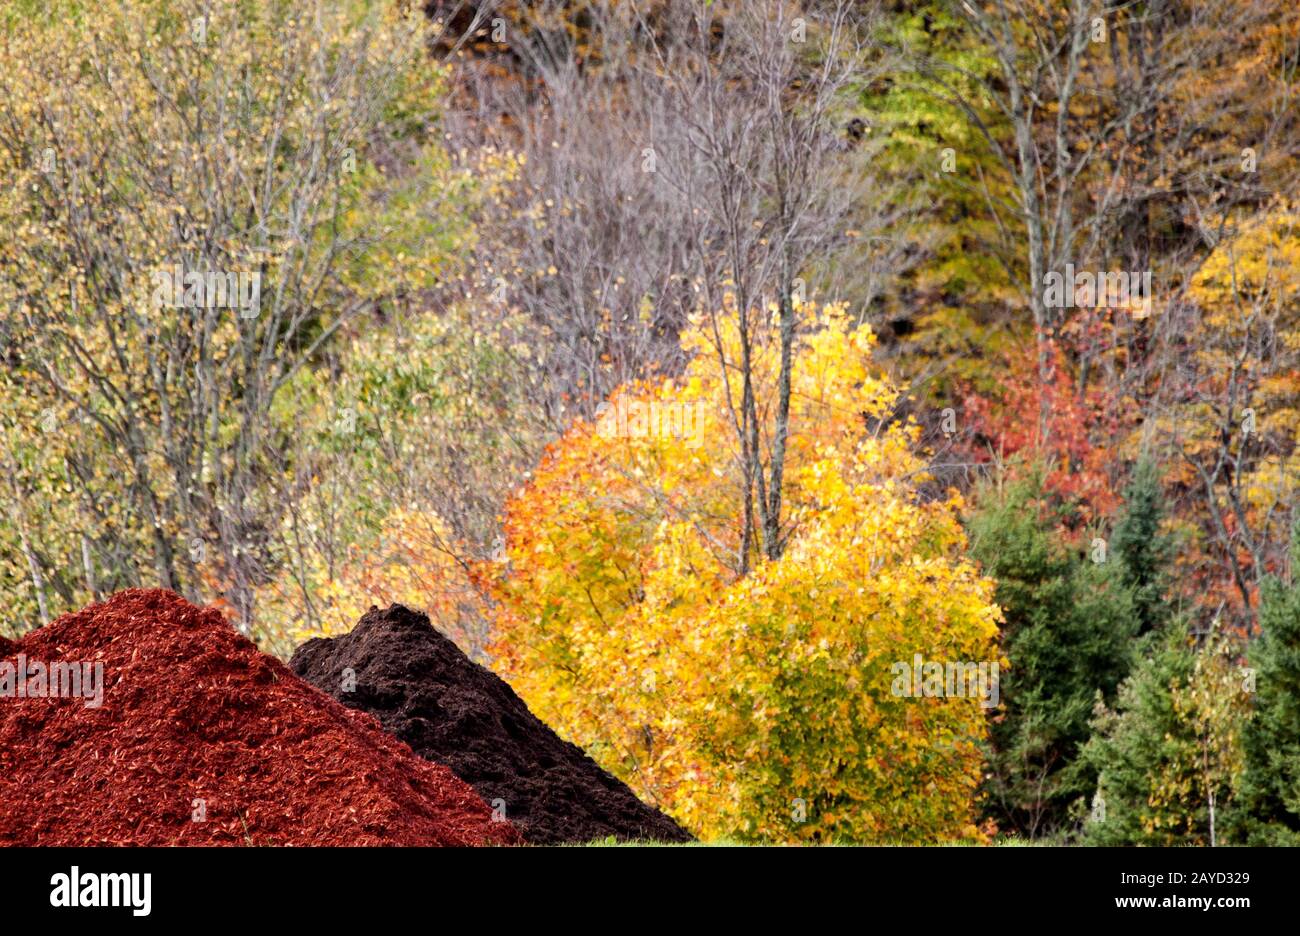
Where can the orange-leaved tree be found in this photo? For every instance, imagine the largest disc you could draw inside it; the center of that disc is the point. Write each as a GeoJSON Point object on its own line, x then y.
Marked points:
{"type": "Point", "coordinates": [762, 699]}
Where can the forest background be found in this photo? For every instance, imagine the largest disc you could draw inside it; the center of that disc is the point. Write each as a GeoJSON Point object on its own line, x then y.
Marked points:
{"type": "Point", "coordinates": [696, 365]}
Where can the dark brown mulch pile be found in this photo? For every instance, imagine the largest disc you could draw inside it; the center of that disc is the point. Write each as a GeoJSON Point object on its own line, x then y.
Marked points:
{"type": "Point", "coordinates": [196, 723]}
{"type": "Point", "coordinates": [452, 711]}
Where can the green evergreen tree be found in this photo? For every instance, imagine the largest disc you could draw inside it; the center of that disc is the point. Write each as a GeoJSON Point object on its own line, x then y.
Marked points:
{"type": "Point", "coordinates": [1068, 630]}
{"type": "Point", "coordinates": [1168, 756]}
{"type": "Point", "coordinates": [1269, 805]}
{"type": "Point", "coordinates": [1141, 739]}
{"type": "Point", "coordinates": [1143, 551]}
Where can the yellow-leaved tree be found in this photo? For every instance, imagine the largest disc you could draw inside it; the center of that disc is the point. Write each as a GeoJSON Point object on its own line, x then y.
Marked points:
{"type": "Point", "coordinates": [1234, 413]}
{"type": "Point", "coordinates": [768, 699]}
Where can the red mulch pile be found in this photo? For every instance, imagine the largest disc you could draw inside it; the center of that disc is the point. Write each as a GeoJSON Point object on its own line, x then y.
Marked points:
{"type": "Point", "coordinates": [194, 711]}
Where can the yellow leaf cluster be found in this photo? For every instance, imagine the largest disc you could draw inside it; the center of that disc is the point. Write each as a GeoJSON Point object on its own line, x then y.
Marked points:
{"type": "Point", "coordinates": [755, 704]}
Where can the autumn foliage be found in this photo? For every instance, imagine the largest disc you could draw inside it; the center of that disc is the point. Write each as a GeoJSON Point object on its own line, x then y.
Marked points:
{"type": "Point", "coordinates": [757, 705]}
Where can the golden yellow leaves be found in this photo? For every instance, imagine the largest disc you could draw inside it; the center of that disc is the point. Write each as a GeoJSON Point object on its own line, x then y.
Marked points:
{"type": "Point", "coordinates": [756, 705]}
